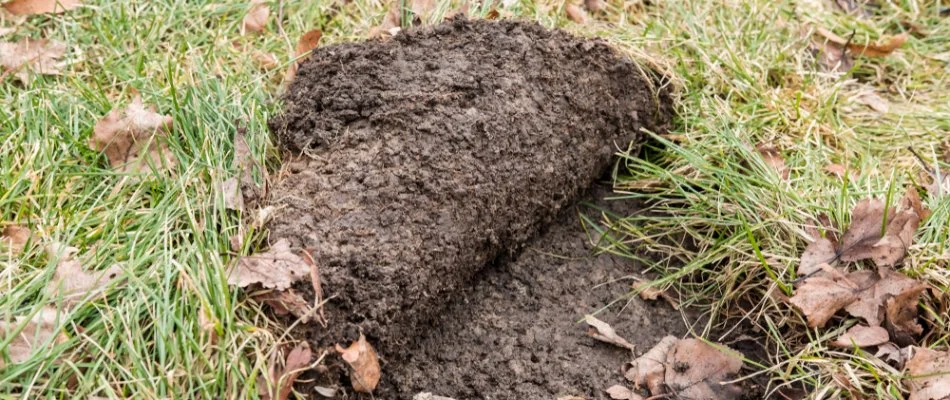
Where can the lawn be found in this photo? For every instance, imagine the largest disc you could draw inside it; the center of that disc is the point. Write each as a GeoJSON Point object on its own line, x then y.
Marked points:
{"type": "Point", "coordinates": [726, 230]}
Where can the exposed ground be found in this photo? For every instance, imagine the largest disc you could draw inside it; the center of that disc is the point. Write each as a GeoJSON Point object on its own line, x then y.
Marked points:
{"type": "Point", "coordinates": [515, 333]}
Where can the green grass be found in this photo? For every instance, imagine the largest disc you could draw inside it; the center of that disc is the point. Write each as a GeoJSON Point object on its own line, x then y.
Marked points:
{"type": "Point", "coordinates": [742, 75]}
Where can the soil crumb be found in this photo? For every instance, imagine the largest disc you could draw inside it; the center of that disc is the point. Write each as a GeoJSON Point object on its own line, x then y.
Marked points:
{"type": "Point", "coordinates": [428, 156]}
{"type": "Point", "coordinates": [514, 334]}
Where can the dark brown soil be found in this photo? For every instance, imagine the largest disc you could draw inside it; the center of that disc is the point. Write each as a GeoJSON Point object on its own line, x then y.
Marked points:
{"type": "Point", "coordinates": [514, 335]}
{"type": "Point", "coordinates": [435, 153]}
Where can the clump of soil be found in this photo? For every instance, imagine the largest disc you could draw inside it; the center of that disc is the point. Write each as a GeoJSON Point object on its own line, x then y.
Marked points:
{"type": "Point", "coordinates": [434, 153]}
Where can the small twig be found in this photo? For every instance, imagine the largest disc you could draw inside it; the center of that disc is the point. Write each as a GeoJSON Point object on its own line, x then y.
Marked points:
{"type": "Point", "coordinates": [922, 162]}
{"type": "Point", "coordinates": [280, 18]}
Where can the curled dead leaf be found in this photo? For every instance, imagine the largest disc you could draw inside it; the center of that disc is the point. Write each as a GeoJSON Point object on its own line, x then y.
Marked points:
{"type": "Point", "coordinates": [32, 7]}
{"type": "Point", "coordinates": [256, 18]}
{"type": "Point", "coordinates": [773, 158]}
{"type": "Point", "coordinates": [36, 333]}
{"type": "Point", "coordinates": [133, 137]}
{"type": "Point", "coordinates": [876, 291]}
{"type": "Point", "coordinates": [363, 360]}
{"type": "Point", "coordinates": [277, 268]}
{"type": "Point", "coordinates": [900, 316]}
{"type": "Point", "coordinates": [649, 370]}
{"type": "Point", "coordinates": [282, 380]}
{"type": "Point", "coordinates": [305, 44]}
{"type": "Point", "coordinates": [602, 331]}
{"type": "Point", "coordinates": [576, 14]}
{"type": "Point", "coordinates": [595, 6]}
{"type": "Point", "coordinates": [696, 370]}
{"type": "Point", "coordinates": [862, 336]}
{"type": "Point", "coordinates": [29, 56]}
{"type": "Point", "coordinates": [647, 291]}
{"type": "Point", "coordinates": [929, 375]}
{"type": "Point", "coordinates": [840, 171]}
{"type": "Point", "coordinates": [892, 354]}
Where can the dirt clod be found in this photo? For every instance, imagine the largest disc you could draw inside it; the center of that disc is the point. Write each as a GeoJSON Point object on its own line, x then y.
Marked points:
{"type": "Point", "coordinates": [429, 155]}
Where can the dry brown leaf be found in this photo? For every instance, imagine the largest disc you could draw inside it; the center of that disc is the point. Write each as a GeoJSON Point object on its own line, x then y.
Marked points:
{"type": "Point", "coordinates": [620, 392]}
{"type": "Point", "coordinates": [277, 268]}
{"type": "Point", "coordinates": [929, 372]}
{"type": "Point", "coordinates": [862, 336]}
{"type": "Point", "coordinates": [32, 7]}
{"type": "Point", "coordinates": [576, 14]}
{"type": "Point", "coordinates": [900, 316]}
{"type": "Point", "coordinates": [256, 19]}
{"type": "Point", "coordinates": [134, 137]}
{"type": "Point", "coordinates": [286, 302]}
{"type": "Point", "coordinates": [821, 296]}
{"type": "Point", "coordinates": [603, 332]}
{"type": "Point", "coordinates": [28, 56]}
{"type": "Point", "coordinates": [38, 332]}
{"type": "Point", "coordinates": [911, 201]}
{"type": "Point", "coordinates": [875, 49]}
{"type": "Point", "coordinates": [648, 292]}
{"type": "Point", "coordinates": [365, 364]}
{"type": "Point", "coordinates": [595, 6]}
{"type": "Point", "coordinates": [266, 61]}
{"type": "Point", "coordinates": [840, 171]}
{"type": "Point", "coordinates": [697, 369]}
{"type": "Point", "coordinates": [14, 238]}
{"type": "Point", "coordinates": [649, 369]}
{"type": "Point", "coordinates": [297, 360]}
{"type": "Point", "coordinates": [773, 158]}
{"type": "Point", "coordinates": [832, 57]}
{"type": "Point", "coordinates": [875, 101]}
{"type": "Point", "coordinates": [71, 283]}
{"type": "Point", "coordinates": [305, 44]}
{"type": "Point", "coordinates": [870, 304]}
{"type": "Point", "coordinates": [890, 353]}
{"type": "Point", "coordinates": [821, 251]}
{"type": "Point", "coordinates": [231, 190]}
{"type": "Point", "coordinates": [863, 240]}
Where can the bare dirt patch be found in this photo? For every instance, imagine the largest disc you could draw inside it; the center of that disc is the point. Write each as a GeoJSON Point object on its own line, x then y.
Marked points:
{"type": "Point", "coordinates": [434, 154]}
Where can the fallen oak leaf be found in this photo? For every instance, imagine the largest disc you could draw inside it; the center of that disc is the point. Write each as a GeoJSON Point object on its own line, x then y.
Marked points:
{"type": "Point", "coordinates": [696, 370]}
{"type": "Point", "coordinates": [889, 352]}
{"type": "Point", "coordinates": [32, 7]}
{"type": "Point", "coordinates": [862, 336]}
{"type": "Point", "coordinates": [32, 334]}
{"type": "Point", "coordinates": [820, 297]}
{"type": "Point", "coordinates": [39, 56]}
{"type": "Point", "coordinates": [649, 369]}
{"type": "Point", "coordinates": [929, 375]}
{"type": "Point", "coordinates": [133, 137]}
{"type": "Point", "coordinates": [277, 268]}
{"type": "Point", "coordinates": [900, 316]}
{"type": "Point", "coordinates": [364, 362]}
{"type": "Point", "coordinates": [71, 283]}
{"type": "Point", "coordinates": [602, 331]}
{"type": "Point", "coordinates": [256, 18]}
